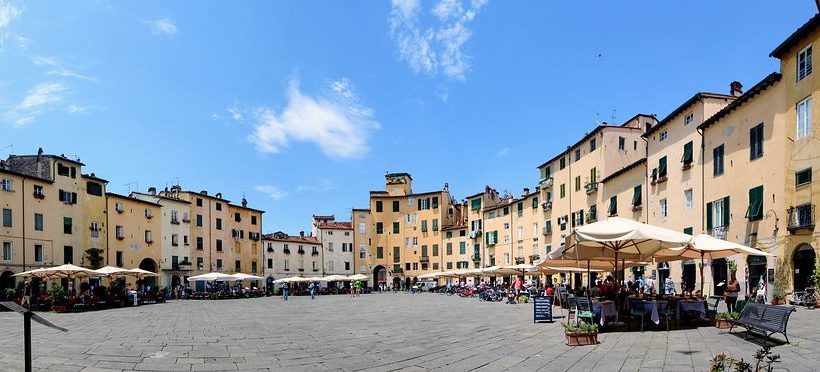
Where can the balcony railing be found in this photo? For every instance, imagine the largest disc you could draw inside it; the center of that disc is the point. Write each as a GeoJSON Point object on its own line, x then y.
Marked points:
{"type": "Point", "coordinates": [546, 205]}
{"type": "Point", "coordinates": [801, 217]}
{"type": "Point", "coordinates": [534, 258]}
{"type": "Point", "coordinates": [546, 231]}
{"type": "Point", "coordinates": [591, 187]}
{"type": "Point", "coordinates": [477, 257]}
{"type": "Point", "coordinates": [424, 259]}
{"type": "Point", "coordinates": [546, 182]}
{"type": "Point", "coordinates": [314, 253]}
{"type": "Point", "coordinates": [519, 260]}
{"type": "Point", "coordinates": [718, 232]}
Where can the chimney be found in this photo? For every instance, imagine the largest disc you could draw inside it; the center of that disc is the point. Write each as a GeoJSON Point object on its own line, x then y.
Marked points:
{"type": "Point", "coordinates": [526, 191]}
{"type": "Point", "coordinates": [152, 191]}
{"type": "Point", "coordinates": [736, 88]}
{"type": "Point", "coordinates": [218, 195]}
{"type": "Point", "coordinates": [302, 234]}
{"type": "Point", "coordinates": [39, 153]}
{"type": "Point", "coordinates": [204, 192]}
{"type": "Point", "coordinates": [244, 202]}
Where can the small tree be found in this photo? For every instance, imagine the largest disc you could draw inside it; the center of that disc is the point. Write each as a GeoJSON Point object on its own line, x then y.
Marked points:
{"type": "Point", "coordinates": [95, 258]}
{"type": "Point", "coordinates": [815, 276]}
{"type": "Point", "coordinates": [781, 278]}
{"type": "Point", "coordinates": [732, 265]}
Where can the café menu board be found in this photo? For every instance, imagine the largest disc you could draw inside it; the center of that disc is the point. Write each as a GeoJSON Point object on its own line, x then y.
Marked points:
{"type": "Point", "coordinates": [542, 309]}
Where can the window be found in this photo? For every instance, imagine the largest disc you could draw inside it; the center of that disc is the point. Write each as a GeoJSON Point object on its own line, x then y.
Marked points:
{"type": "Point", "coordinates": [621, 143]}
{"type": "Point", "coordinates": [802, 177]}
{"type": "Point", "coordinates": [662, 208]}
{"type": "Point", "coordinates": [424, 204]}
{"type": "Point", "coordinates": [613, 206]}
{"type": "Point", "coordinates": [435, 224]}
{"type": "Point", "coordinates": [174, 240]}
{"type": "Point", "coordinates": [755, 210]}
{"type": "Point", "coordinates": [38, 253]}
{"type": "Point", "coordinates": [149, 237]}
{"type": "Point", "coordinates": [664, 135]}
{"type": "Point", "coordinates": [637, 199]}
{"type": "Point", "coordinates": [688, 119]}
{"type": "Point", "coordinates": [687, 230]}
{"type": "Point", "coordinates": [185, 239]}
{"type": "Point", "coordinates": [67, 197]}
{"type": "Point", "coordinates": [219, 224]}
{"type": "Point", "coordinates": [449, 265]}
{"type": "Point", "coordinates": [462, 247]}
{"type": "Point", "coordinates": [577, 183]}
{"type": "Point", "coordinates": [475, 204]}
{"type": "Point", "coordinates": [219, 245]}
{"type": "Point", "coordinates": [6, 217]}
{"type": "Point", "coordinates": [362, 228]}
{"type": "Point", "coordinates": [93, 188]}
{"type": "Point", "coordinates": [67, 224]}
{"type": "Point", "coordinates": [379, 206]}
{"type": "Point", "coordinates": [218, 264]}
{"type": "Point", "coordinates": [592, 145]}
{"type": "Point", "coordinates": [520, 232]}
{"type": "Point", "coordinates": [149, 213]}
{"type": "Point", "coordinates": [687, 154]}
{"type": "Point", "coordinates": [662, 167]}
{"type": "Point", "coordinates": [330, 246]}
{"type": "Point", "coordinates": [562, 163]}
{"type": "Point", "coordinates": [270, 263]}
{"type": "Point", "coordinates": [563, 190]}
{"type": "Point", "coordinates": [717, 213]}
{"type": "Point", "coordinates": [238, 264]}
{"type": "Point", "coordinates": [379, 228]}
{"type": "Point", "coordinates": [804, 63]}
{"type": "Point", "coordinates": [237, 217]}
{"type": "Point", "coordinates": [199, 263]}
{"type": "Point", "coordinates": [63, 170]}
{"type": "Point", "coordinates": [68, 254]}
{"type": "Point", "coordinates": [424, 251]}
{"type": "Point", "coordinates": [435, 202]}
{"type": "Point", "coordinates": [635, 145]}
{"type": "Point", "coordinates": [756, 142]}
{"type": "Point", "coordinates": [119, 259]}
{"type": "Point", "coordinates": [577, 154]}
{"type": "Point", "coordinates": [200, 242]}
{"type": "Point", "coordinates": [423, 225]}
{"type": "Point", "coordinates": [38, 191]}
{"type": "Point", "coordinates": [535, 229]}
{"type": "Point", "coordinates": [687, 199]}
{"type": "Point", "coordinates": [7, 251]}
{"type": "Point", "coordinates": [803, 118]}
{"type": "Point", "coordinates": [396, 206]}
{"type": "Point", "coordinates": [5, 184]}
{"type": "Point", "coordinates": [535, 202]}
{"type": "Point", "coordinates": [717, 159]}
{"type": "Point", "coordinates": [253, 220]}
{"type": "Point", "coordinates": [198, 202]}
{"type": "Point", "coordinates": [347, 265]}
{"type": "Point", "coordinates": [219, 206]}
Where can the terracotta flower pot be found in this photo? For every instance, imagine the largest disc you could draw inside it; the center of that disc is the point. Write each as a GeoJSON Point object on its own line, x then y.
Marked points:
{"type": "Point", "coordinates": [723, 324]}
{"type": "Point", "coordinates": [581, 339]}
{"type": "Point", "coordinates": [59, 308]}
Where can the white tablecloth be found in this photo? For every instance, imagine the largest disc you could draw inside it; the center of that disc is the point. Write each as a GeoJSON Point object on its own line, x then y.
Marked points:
{"type": "Point", "coordinates": [607, 309]}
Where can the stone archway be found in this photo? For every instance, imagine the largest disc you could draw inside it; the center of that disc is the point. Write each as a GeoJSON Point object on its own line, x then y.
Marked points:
{"type": "Point", "coordinates": [149, 265]}
{"type": "Point", "coordinates": [379, 276]}
{"type": "Point", "coordinates": [803, 261]}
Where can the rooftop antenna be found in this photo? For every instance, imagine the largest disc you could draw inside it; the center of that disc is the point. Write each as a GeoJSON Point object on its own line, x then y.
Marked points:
{"type": "Point", "coordinates": [134, 183]}
{"type": "Point", "coordinates": [613, 115]}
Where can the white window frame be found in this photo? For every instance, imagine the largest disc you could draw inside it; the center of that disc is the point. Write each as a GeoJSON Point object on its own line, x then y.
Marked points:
{"type": "Point", "coordinates": [8, 256]}
{"type": "Point", "coordinates": [808, 63]}
{"type": "Point", "coordinates": [119, 232]}
{"type": "Point", "coordinates": [663, 208]}
{"type": "Point", "coordinates": [689, 118]}
{"type": "Point", "coordinates": [5, 184]}
{"type": "Point", "coordinates": [688, 202]}
{"type": "Point", "coordinates": [663, 136]}
{"type": "Point", "coordinates": [362, 228]}
{"type": "Point", "coordinates": [803, 126]}
{"type": "Point", "coordinates": [717, 213]}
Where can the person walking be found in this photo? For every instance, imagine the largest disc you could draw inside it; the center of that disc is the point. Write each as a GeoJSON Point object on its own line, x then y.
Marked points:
{"type": "Point", "coordinates": [518, 285]}
{"type": "Point", "coordinates": [312, 288]}
{"type": "Point", "coordinates": [732, 291]}
{"type": "Point", "coordinates": [285, 290]}
{"type": "Point", "coordinates": [358, 287]}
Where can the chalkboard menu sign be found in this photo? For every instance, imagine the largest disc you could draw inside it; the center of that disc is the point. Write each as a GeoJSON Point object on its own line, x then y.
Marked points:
{"type": "Point", "coordinates": [542, 309]}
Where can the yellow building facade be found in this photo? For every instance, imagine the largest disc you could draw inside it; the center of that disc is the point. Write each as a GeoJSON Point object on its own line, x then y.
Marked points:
{"type": "Point", "coordinates": [135, 235]}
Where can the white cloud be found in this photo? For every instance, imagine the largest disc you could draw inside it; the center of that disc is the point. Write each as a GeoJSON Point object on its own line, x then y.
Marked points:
{"type": "Point", "coordinates": [504, 151]}
{"type": "Point", "coordinates": [42, 97]}
{"type": "Point", "coordinates": [335, 122]}
{"type": "Point", "coordinates": [438, 48]}
{"type": "Point", "coordinates": [324, 184]}
{"type": "Point", "coordinates": [60, 69]}
{"type": "Point", "coordinates": [272, 191]}
{"type": "Point", "coordinates": [163, 26]}
{"type": "Point", "coordinates": [8, 13]}
{"type": "Point", "coordinates": [236, 113]}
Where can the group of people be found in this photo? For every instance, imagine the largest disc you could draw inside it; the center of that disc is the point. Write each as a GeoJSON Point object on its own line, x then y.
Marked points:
{"type": "Point", "coordinates": [313, 289]}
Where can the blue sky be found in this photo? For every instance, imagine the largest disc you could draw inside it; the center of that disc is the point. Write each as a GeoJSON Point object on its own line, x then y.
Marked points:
{"type": "Point", "coordinates": [304, 105]}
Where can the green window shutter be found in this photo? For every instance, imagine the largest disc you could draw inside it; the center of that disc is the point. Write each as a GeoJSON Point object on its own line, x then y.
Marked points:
{"type": "Point", "coordinates": [487, 238]}
{"type": "Point", "coordinates": [726, 211]}
{"type": "Point", "coordinates": [636, 196]}
{"type": "Point", "coordinates": [613, 206]}
{"type": "Point", "coordinates": [423, 225]}
{"type": "Point", "coordinates": [687, 153]}
{"type": "Point", "coordinates": [709, 215]}
{"type": "Point", "coordinates": [396, 229]}
{"type": "Point", "coordinates": [755, 210]}
{"type": "Point", "coordinates": [687, 230]}
{"type": "Point", "coordinates": [475, 204]}
{"type": "Point", "coordinates": [535, 202]}
{"type": "Point", "coordinates": [592, 175]}
{"type": "Point", "coordinates": [581, 216]}
{"type": "Point", "coordinates": [520, 207]}
{"type": "Point", "coordinates": [435, 202]}
{"type": "Point", "coordinates": [495, 237]}
{"type": "Point", "coordinates": [573, 220]}
{"type": "Point", "coordinates": [462, 248]}
{"type": "Point", "coordinates": [662, 167]}
{"type": "Point", "coordinates": [435, 224]}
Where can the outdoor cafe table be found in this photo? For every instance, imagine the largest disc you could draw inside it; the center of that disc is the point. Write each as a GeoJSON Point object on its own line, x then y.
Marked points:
{"type": "Point", "coordinates": [651, 308]}
{"type": "Point", "coordinates": [695, 306]}
{"type": "Point", "coordinates": [605, 310]}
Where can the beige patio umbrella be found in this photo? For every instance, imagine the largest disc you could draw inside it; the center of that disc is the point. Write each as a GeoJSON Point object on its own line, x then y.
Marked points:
{"type": "Point", "coordinates": [335, 278]}
{"type": "Point", "coordinates": [290, 279]}
{"type": "Point", "coordinates": [68, 271]}
{"type": "Point", "coordinates": [429, 275]}
{"type": "Point", "coordinates": [358, 277]}
{"type": "Point", "coordinates": [241, 276]}
{"type": "Point", "coordinates": [705, 246]}
{"type": "Point", "coordinates": [112, 271]}
{"type": "Point", "coordinates": [620, 238]}
{"type": "Point", "coordinates": [211, 277]}
{"type": "Point", "coordinates": [140, 273]}
{"type": "Point", "coordinates": [520, 269]}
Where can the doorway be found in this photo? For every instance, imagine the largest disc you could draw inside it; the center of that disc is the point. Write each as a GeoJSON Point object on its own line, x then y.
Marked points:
{"type": "Point", "coordinates": [803, 261]}
{"type": "Point", "coordinates": [689, 276]}
{"type": "Point", "coordinates": [719, 275]}
{"type": "Point", "coordinates": [756, 266]}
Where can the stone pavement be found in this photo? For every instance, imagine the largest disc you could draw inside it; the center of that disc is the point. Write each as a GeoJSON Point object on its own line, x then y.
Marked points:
{"type": "Point", "coordinates": [378, 332]}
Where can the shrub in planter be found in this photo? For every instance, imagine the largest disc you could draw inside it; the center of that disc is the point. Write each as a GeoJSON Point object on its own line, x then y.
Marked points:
{"type": "Point", "coordinates": [581, 334]}
{"type": "Point", "coordinates": [764, 361]}
{"type": "Point", "coordinates": [58, 298]}
{"type": "Point", "coordinates": [724, 320]}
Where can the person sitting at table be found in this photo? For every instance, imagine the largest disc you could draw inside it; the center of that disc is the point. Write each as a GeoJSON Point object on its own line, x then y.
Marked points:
{"type": "Point", "coordinates": [649, 285]}
{"type": "Point", "coordinates": [594, 291]}
{"type": "Point", "coordinates": [669, 287]}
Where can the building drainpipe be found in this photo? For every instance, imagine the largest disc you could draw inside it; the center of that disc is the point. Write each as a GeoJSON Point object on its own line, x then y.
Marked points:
{"type": "Point", "coordinates": [702, 179]}
{"type": "Point", "coordinates": [23, 198]}
{"type": "Point", "coordinates": [646, 177]}
{"type": "Point", "coordinates": [210, 246]}
{"type": "Point", "coordinates": [107, 235]}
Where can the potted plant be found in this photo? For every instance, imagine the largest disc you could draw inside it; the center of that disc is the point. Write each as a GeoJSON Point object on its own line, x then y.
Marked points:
{"type": "Point", "coordinates": [781, 282]}
{"type": "Point", "coordinates": [58, 298]}
{"type": "Point", "coordinates": [724, 320]}
{"type": "Point", "coordinates": [581, 334]}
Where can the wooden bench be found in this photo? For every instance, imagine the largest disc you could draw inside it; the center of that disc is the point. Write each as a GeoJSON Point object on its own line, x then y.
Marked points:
{"type": "Point", "coordinates": [766, 319]}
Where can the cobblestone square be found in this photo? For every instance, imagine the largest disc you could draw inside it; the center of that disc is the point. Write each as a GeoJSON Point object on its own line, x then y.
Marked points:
{"type": "Point", "coordinates": [377, 332]}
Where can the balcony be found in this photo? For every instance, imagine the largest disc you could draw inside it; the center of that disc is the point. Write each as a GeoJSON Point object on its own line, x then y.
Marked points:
{"type": "Point", "coordinates": [395, 270]}
{"type": "Point", "coordinates": [718, 232]}
{"type": "Point", "coordinates": [174, 222]}
{"type": "Point", "coordinates": [181, 266]}
{"type": "Point", "coordinates": [300, 251]}
{"type": "Point", "coordinates": [424, 259]}
{"type": "Point", "coordinates": [591, 187]}
{"type": "Point", "coordinates": [801, 217]}
{"type": "Point", "coordinates": [39, 195]}
{"type": "Point", "coordinates": [314, 253]}
{"type": "Point", "coordinates": [186, 220]}
{"type": "Point", "coordinates": [546, 231]}
{"type": "Point", "coordinates": [546, 205]}
{"type": "Point", "coordinates": [120, 237]}
{"type": "Point", "coordinates": [546, 182]}
{"type": "Point", "coordinates": [270, 250]}
{"type": "Point", "coordinates": [519, 260]}
{"type": "Point", "coordinates": [637, 207]}
{"type": "Point", "coordinates": [476, 258]}
{"type": "Point", "coordinates": [286, 250]}
{"type": "Point", "coordinates": [534, 258]}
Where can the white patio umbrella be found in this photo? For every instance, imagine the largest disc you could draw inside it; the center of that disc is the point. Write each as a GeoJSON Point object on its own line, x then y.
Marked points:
{"type": "Point", "coordinates": [290, 279]}
{"type": "Point", "coordinates": [210, 277]}
{"type": "Point", "coordinates": [358, 277]}
{"type": "Point", "coordinates": [429, 275]}
{"type": "Point", "coordinates": [705, 246]}
{"type": "Point", "coordinates": [59, 272]}
{"type": "Point", "coordinates": [520, 269]}
{"type": "Point", "coordinates": [241, 276]}
{"type": "Point", "coordinates": [112, 271]}
{"type": "Point", "coordinates": [140, 273]}
{"type": "Point", "coordinates": [335, 278]}
{"type": "Point", "coordinates": [616, 237]}
{"type": "Point", "coordinates": [554, 270]}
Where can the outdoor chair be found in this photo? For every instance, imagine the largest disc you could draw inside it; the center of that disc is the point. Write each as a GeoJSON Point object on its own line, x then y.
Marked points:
{"type": "Point", "coordinates": [637, 310]}
{"type": "Point", "coordinates": [583, 310]}
{"type": "Point", "coordinates": [711, 307]}
{"type": "Point", "coordinates": [571, 308]}
{"type": "Point", "coordinates": [666, 312]}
